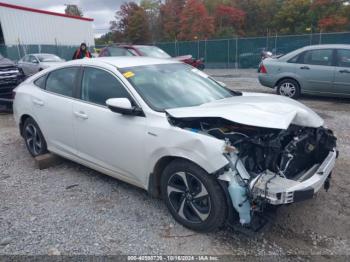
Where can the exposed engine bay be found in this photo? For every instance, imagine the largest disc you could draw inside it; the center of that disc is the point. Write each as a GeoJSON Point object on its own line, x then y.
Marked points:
{"type": "Point", "coordinates": [286, 152]}
{"type": "Point", "coordinates": [273, 161]}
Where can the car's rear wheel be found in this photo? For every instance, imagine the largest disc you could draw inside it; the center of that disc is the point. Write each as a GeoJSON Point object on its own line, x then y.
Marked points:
{"type": "Point", "coordinates": [194, 198]}
{"type": "Point", "coordinates": [289, 88]}
{"type": "Point", "coordinates": [34, 138]}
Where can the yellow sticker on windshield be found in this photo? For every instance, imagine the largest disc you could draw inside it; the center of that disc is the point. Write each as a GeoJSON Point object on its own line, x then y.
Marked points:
{"type": "Point", "coordinates": [128, 74]}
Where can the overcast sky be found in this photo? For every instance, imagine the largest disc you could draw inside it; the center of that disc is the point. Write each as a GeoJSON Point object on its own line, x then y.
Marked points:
{"type": "Point", "coordinates": [101, 10]}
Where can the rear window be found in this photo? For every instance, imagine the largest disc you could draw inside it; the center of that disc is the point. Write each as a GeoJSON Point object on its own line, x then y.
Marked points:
{"type": "Point", "coordinates": [295, 59]}
{"type": "Point", "coordinates": [40, 82]}
{"type": "Point", "coordinates": [117, 51]}
{"type": "Point", "coordinates": [62, 81]}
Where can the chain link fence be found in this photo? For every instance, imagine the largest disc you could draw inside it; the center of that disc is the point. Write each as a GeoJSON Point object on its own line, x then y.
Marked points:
{"type": "Point", "coordinates": [245, 52]}
{"type": "Point", "coordinates": [218, 53]}
{"type": "Point", "coordinates": [16, 52]}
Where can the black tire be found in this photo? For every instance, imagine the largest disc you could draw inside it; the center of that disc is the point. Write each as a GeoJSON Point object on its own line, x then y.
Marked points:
{"type": "Point", "coordinates": [200, 206]}
{"type": "Point", "coordinates": [289, 88]}
{"type": "Point", "coordinates": [33, 138]}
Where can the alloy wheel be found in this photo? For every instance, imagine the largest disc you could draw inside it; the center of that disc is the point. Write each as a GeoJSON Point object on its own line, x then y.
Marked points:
{"type": "Point", "coordinates": [188, 197]}
{"type": "Point", "coordinates": [33, 139]}
{"type": "Point", "coordinates": [288, 89]}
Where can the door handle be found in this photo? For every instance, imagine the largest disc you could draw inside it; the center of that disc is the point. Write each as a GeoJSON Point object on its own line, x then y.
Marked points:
{"type": "Point", "coordinates": [81, 115]}
{"type": "Point", "coordinates": [305, 67]}
{"type": "Point", "coordinates": [344, 71]}
{"type": "Point", "coordinates": [37, 102]}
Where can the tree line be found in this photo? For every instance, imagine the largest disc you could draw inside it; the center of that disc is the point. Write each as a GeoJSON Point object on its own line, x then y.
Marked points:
{"type": "Point", "coordinates": [181, 20]}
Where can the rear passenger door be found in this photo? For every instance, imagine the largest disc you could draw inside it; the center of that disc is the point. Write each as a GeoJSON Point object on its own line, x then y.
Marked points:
{"type": "Point", "coordinates": [315, 69]}
{"type": "Point", "coordinates": [342, 72]}
{"type": "Point", "coordinates": [52, 106]}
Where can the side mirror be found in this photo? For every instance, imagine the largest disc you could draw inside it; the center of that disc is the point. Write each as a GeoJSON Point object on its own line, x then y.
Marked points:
{"type": "Point", "coordinates": [123, 106]}
{"type": "Point", "coordinates": [34, 61]}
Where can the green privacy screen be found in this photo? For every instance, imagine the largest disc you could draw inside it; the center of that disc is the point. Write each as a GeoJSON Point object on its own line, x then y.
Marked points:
{"type": "Point", "coordinates": [16, 52]}
{"type": "Point", "coordinates": [245, 52]}
{"type": "Point", "coordinates": [217, 53]}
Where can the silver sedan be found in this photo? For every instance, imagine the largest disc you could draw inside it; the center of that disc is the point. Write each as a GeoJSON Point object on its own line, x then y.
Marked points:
{"type": "Point", "coordinates": [33, 63]}
{"type": "Point", "coordinates": [318, 70]}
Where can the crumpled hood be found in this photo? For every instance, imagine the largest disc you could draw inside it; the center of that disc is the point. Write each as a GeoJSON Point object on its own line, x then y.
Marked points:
{"type": "Point", "coordinates": [254, 109]}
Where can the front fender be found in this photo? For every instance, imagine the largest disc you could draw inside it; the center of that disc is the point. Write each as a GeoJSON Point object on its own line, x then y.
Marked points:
{"type": "Point", "coordinates": [203, 150]}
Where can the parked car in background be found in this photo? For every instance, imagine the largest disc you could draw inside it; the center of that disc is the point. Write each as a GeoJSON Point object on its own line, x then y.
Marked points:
{"type": "Point", "coordinates": [317, 70]}
{"type": "Point", "coordinates": [10, 77]}
{"type": "Point", "coordinates": [115, 50]}
{"type": "Point", "coordinates": [213, 154]}
{"type": "Point", "coordinates": [33, 63]}
{"type": "Point", "coordinates": [150, 51]}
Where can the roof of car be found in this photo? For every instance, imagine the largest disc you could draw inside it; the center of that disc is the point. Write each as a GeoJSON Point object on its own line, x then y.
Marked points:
{"type": "Point", "coordinates": [36, 54]}
{"type": "Point", "coordinates": [289, 55]}
{"type": "Point", "coordinates": [125, 61]}
{"type": "Point", "coordinates": [327, 46]}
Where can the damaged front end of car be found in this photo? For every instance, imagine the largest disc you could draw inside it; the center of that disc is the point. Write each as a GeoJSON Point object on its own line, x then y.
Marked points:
{"type": "Point", "coordinates": [268, 166]}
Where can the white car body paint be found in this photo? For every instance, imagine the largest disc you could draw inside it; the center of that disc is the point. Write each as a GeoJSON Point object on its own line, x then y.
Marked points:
{"type": "Point", "coordinates": [129, 147]}
{"type": "Point", "coordinates": [141, 142]}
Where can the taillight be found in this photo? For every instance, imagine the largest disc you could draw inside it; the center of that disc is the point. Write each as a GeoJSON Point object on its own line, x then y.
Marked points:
{"type": "Point", "coordinates": [262, 69]}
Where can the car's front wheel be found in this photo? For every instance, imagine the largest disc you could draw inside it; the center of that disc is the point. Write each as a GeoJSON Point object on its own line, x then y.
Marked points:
{"type": "Point", "coordinates": [34, 138]}
{"type": "Point", "coordinates": [289, 88]}
{"type": "Point", "coordinates": [194, 198]}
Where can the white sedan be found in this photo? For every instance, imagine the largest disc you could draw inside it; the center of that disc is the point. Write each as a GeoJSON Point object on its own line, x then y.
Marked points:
{"type": "Point", "coordinates": [211, 153]}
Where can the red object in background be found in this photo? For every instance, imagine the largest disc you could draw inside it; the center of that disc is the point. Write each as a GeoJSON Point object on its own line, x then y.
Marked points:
{"type": "Point", "coordinates": [151, 51]}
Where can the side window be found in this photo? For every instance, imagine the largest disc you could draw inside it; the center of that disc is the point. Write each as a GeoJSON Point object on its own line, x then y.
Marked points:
{"type": "Point", "coordinates": [99, 85]}
{"type": "Point", "coordinates": [40, 82]}
{"type": "Point", "coordinates": [62, 81]}
{"type": "Point", "coordinates": [295, 59]}
{"type": "Point", "coordinates": [319, 57]}
{"type": "Point", "coordinates": [25, 59]}
{"type": "Point", "coordinates": [32, 59]}
{"type": "Point", "coordinates": [343, 58]}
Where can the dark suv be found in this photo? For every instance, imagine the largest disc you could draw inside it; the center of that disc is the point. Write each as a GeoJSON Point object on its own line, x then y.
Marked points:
{"type": "Point", "coordinates": [10, 77]}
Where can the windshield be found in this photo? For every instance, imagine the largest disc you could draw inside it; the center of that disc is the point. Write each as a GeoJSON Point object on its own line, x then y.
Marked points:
{"type": "Point", "coordinates": [118, 51]}
{"type": "Point", "coordinates": [48, 58]}
{"type": "Point", "coordinates": [175, 85]}
{"type": "Point", "coordinates": [153, 51]}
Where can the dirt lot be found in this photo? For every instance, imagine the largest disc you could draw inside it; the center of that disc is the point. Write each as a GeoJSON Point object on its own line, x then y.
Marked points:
{"type": "Point", "coordinates": [70, 209]}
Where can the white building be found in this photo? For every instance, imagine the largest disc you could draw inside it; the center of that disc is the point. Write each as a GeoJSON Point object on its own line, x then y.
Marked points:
{"type": "Point", "coordinates": [21, 25]}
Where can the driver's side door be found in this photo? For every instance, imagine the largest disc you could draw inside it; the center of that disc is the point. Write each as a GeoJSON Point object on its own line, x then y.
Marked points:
{"type": "Point", "coordinates": [33, 65]}
{"type": "Point", "coordinates": [112, 142]}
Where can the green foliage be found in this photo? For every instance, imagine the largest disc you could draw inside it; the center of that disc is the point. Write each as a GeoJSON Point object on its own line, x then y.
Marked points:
{"type": "Point", "coordinates": [168, 20]}
{"type": "Point", "coordinates": [293, 17]}
{"type": "Point", "coordinates": [73, 10]}
{"type": "Point", "coordinates": [104, 39]}
{"type": "Point", "coordinates": [131, 24]}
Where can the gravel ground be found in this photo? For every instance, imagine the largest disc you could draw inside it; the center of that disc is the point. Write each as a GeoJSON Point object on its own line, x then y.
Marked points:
{"type": "Point", "coordinates": [70, 209]}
